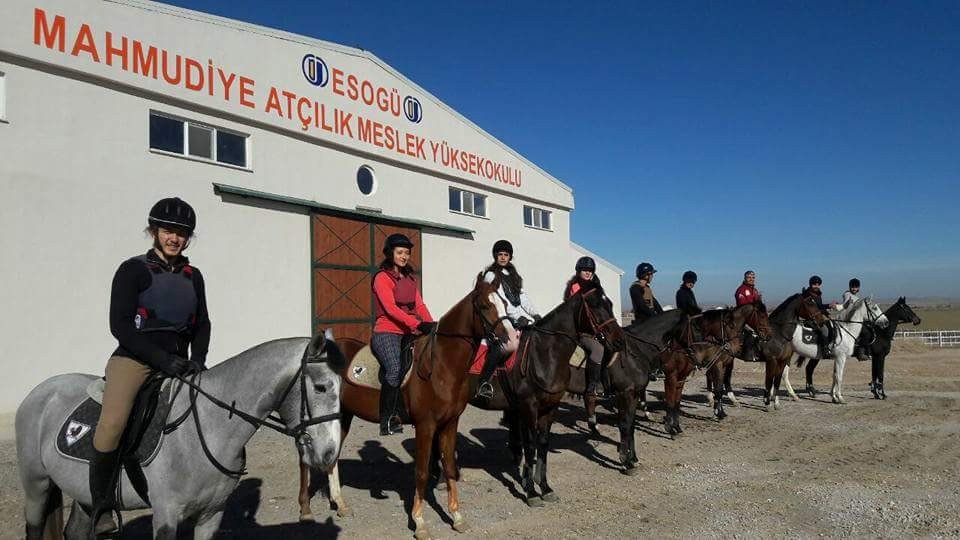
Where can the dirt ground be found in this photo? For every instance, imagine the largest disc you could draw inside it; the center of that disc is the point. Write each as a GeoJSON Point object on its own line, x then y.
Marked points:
{"type": "Point", "coordinates": [866, 469]}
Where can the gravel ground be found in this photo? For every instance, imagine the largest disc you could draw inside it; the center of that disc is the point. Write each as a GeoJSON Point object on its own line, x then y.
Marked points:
{"type": "Point", "coordinates": [869, 468]}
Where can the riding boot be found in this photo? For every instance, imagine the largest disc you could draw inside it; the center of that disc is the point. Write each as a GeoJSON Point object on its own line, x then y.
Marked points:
{"type": "Point", "coordinates": [825, 342]}
{"type": "Point", "coordinates": [747, 353]}
{"type": "Point", "coordinates": [389, 421]}
{"type": "Point", "coordinates": [490, 364]}
{"type": "Point", "coordinates": [594, 387]}
{"type": "Point", "coordinates": [861, 353]}
{"type": "Point", "coordinates": [104, 470]}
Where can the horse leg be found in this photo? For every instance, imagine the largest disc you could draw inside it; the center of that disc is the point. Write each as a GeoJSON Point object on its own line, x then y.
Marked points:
{"type": "Point", "coordinates": [883, 361]}
{"type": "Point", "coordinates": [672, 401]}
{"type": "Point", "coordinates": [590, 404]}
{"type": "Point", "coordinates": [544, 425]}
{"type": "Point", "coordinates": [207, 528]}
{"type": "Point", "coordinates": [628, 414]}
{"type": "Point", "coordinates": [448, 454]}
{"type": "Point", "coordinates": [835, 392]}
{"type": "Point", "coordinates": [785, 376]}
{"type": "Point", "coordinates": [716, 373]}
{"type": "Point", "coordinates": [728, 382]}
{"type": "Point", "coordinates": [769, 375]}
{"type": "Point", "coordinates": [333, 477]}
{"type": "Point", "coordinates": [528, 424]}
{"type": "Point", "coordinates": [516, 442]}
{"type": "Point", "coordinates": [642, 402]}
{"type": "Point", "coordinates": [165, 522]}
{"type": "Point", "coordinates": [811, 365]}
{"type": "Point", "coordinates": [43, 509]}
{"type": "Point", "coordinates": [425, 432]}
{"type": "Point", "coordinates": [711, 387]}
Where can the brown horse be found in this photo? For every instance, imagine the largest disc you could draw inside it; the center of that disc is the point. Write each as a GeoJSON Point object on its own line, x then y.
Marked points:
{"type": "Point", "coordinates": [532, 390]}
{"type": "Point", "coordinates": [708, 336]}
{"type": "Point", "coordinates": [435, 396]}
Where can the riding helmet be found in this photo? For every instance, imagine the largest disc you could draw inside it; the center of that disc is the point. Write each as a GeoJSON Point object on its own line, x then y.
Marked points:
{"type": "Point", "coordinates": [396, 240]}
{"type": "Point", "coordinates": [815, 280]}
{"type": "Point", "coordinates": [586, 263]}
{"type": "Point", "coordinates": [173, 212]}
{"type": "Point", "coordinates": [689, 276]}
{"type": "Point", "coordinates": [645, 268]}
{"type": "Point", "coordinates": [854, 283]}
{"type": "Point", "coordinates": [502, 246]}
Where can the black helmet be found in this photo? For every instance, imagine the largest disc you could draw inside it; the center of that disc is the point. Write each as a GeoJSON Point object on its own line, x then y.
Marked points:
{"type": "Point", "coordinates": [586, 263]}
{"type": "Point", "coordinates": [854, 283]}
{"type": "Point", "coordinates": [173, 212]}
{"type": "Point", "coordinates": [644, 269]}
{"type": "Point", "coordinates": [689, 276]}
{"type": "Point", "coordinates": [502, 245]}
{"type": "Point", "coordinates": [815, 280]}
{"type": "Point", "coordinates": [396, 240]}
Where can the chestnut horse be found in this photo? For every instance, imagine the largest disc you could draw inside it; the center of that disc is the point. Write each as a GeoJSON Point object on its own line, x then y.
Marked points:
{"type": "Point", "coordinates": [435, 397]}
{"type": "Point", "coordinates": [719, 333]}
{"type": "Point", "coordinates": [532, 390]}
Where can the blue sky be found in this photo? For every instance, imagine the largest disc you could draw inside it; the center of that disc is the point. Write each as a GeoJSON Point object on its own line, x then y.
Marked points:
{"type": "Point", "coordinates": [791, 138]}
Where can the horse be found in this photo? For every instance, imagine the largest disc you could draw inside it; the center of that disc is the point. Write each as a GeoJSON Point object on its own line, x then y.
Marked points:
{"type": "Point", "coordinates": [849, 324]}
{"type": "Point", "coordinates": [295, 377]}
{"type": "Point", "coordinates": [777, 349]}
{"type": "Point", "coordinates": [532, 390]}
{"type": "Point", "coordinates": [719, 375]}
{"type": "Point", "coordinates": [435, 397]}
{"type": "Point", "coordinates": [898, 313]}
{"type": "Point", "coordinates": [720, 333]}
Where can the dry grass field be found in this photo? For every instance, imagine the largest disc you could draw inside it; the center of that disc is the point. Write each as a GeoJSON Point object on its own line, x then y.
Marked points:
{"type": "Point", "coordinates": [936, 319]}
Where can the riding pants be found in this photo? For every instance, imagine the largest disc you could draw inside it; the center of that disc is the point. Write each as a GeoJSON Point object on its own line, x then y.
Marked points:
{"type": "Point", "coordinates": [593, 347]}
{"type": "Point", "coordinates": [386, 347]}
{"type": "Point", "coordinates": [125, 376]}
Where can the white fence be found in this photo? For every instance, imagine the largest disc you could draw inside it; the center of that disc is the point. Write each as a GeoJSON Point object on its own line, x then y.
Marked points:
{"type": "Point", "coordinates": [933, 338]}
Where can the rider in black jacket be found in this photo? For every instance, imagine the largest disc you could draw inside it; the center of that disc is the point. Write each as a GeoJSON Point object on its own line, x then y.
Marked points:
{"type": "Point", "coordinates": [686, 300]}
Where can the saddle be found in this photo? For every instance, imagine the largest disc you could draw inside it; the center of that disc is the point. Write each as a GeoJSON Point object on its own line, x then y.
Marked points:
{"type": "Point", "coordinates": [364, 368]}
{"type": "Point", "coordinates": [141, 439]}
{"type": "Point", "coordinates": [481, 357]}
{"type": "Point", "coordinates": [811, 335]}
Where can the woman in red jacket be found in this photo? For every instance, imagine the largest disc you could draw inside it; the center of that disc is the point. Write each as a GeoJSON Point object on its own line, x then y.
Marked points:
{"type": "Point", "coordinates": [400, 312]}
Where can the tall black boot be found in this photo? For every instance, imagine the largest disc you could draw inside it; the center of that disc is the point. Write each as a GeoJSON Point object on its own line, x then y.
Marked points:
{"type": "Point", "coordinates": [747, 352]}
{"type": "Point", "coordinates": [104, 470]}
{"type": "Point", "coordinates": [491, 362]}
{"type": "Point", "coordinates": [389, 421]}
{"type": "Point", "coordinates": [594, 387]}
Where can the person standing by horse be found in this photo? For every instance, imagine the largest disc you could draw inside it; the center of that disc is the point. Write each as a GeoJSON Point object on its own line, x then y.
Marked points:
{"type": "Point", "coordinates": [585, 279]}
{"type": "Point", "coordinates": [400, 313]}
{"type": "Point", "coordinates": [686, 300]}
{"type": "Point", "coordinates": [866, 338]}
{"type": "Point", "coordinates": [158, 312]}
{"type": "Point", "coordinates": [645, 304]}
{"type": "Point", "coordinates": [520, 310]}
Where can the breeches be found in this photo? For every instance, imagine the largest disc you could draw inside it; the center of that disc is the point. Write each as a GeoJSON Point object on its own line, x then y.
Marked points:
{"type": "Point", "coordinates": [386, 347]}
{"type": "Point", "coordinates": [125, 376]}
{"type": "Point", "coordinates": [593, 347]}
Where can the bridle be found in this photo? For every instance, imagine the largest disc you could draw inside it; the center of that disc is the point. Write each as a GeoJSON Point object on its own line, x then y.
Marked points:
{"type": "Point", "coordinates": [596, 326]}
{"type": "Point", "coordinates": [298, 431]}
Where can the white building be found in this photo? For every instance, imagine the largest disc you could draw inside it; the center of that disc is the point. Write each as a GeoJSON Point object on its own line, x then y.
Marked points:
{"type": "Point", "coordinates": [299, 156]}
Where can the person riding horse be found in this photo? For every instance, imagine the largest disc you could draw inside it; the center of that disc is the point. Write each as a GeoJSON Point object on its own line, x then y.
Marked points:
{"type": "Point", "coordinates": [586, 278]}
{"type": "Point", "coordinates": [813, 291]}
{"type": "Point", "coordinates": [645, 305]}
{"type": "Point", "coordinates": [862, 349]}
{"type": "Point", "coordinates": [400, 313]}
{"type": "Point", "coordinates": [686, 300]}
{"type": "Point", "coordinates": [158, 310]}
{"type": "Point", "coordinates": [520, 310]}
{"type": "Point", "coordinates": [747, 293]}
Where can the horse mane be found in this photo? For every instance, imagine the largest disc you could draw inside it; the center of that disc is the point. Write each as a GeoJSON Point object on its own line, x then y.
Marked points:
{"type": "Point", "coordinates": [550, 315]}
{"type": "Point", "coordinates": [847, 313]}
{"type": "Point", "coordinates": [777, 311]}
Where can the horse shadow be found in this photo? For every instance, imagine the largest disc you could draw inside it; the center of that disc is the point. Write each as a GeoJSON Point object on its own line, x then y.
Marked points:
{"type": "Point", "coordinates": [240, 521]}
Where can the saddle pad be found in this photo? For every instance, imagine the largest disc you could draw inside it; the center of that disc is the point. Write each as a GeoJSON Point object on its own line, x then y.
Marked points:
{"type": "Point", "coordinates": [578, 358]}
{"type": "Point", "coordinates": [809, 335]}
{"type": "Point", "coordinates": [75, 438]}
{"type": "Point", "coordinates": [478, 360]}
{"type": "Point", "coordinates": [95, 389]}
{"type": "Point", "coordinates": [364, 370]}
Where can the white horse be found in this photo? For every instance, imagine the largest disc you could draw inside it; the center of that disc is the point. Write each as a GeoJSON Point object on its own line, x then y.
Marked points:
{"type": "Point", "coordinates": [849, 322]}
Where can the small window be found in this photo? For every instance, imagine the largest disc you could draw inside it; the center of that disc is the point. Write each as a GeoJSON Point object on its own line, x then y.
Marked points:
{"type": "Point", "coordinates": [166, 134]}
{"type": "Point", "coordinates": [197, 141]}
{"type": "Point", "coordinates": [536, 218]}
{"type": "Point", "coordinates": [231, 148]}
{"type": "Point", "coordinates": [201, 141]}
{"type": "Point", "coordinates": [468, 202]}
{"type": "Point", "coordinates": [366, 181]}
{"type": "Point", "coordinates": [3, 96]}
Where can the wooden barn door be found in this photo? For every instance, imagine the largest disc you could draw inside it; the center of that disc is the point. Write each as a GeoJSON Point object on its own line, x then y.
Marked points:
{"type": "Point", "coordinates": [345, 256]}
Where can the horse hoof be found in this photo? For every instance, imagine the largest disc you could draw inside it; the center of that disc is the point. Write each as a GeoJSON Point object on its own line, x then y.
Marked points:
{"type": "Point", "coordinates": [794, 397]}
{"type": "Point", "coordinates": [344, 511]}
{"type": "Point", "coordinates": [534, 501]}
{"type": "Point", "coordinates": [776, 405]}
{"type": "Point", "coordinates": [631, 470]}
{"type": "Point", "coordinates": [422, 533]}
{"type": "Point", "coordinates": [550, 497]}
{"type": "Point", "coordinates": [720, 415]}
{"type": "Point", "coordinates": [306, 518]}
{"type": "Point", "coordinates": [460, 523]}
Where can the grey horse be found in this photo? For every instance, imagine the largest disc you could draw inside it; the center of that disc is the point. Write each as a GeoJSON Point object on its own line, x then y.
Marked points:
{"type": "Point", "coordinates": [184, 485]}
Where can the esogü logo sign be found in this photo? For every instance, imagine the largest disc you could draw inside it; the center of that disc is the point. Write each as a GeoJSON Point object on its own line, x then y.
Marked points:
{"type": "Point", "coordinates": [360, 90]}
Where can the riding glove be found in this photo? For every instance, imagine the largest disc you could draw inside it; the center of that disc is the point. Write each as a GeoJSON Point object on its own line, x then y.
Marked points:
{"type": "Point", "coordinates": [426, 327]}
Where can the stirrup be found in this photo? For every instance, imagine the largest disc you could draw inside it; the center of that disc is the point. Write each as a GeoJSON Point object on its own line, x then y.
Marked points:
{"type": "Point", "coordinates": [485, 390]}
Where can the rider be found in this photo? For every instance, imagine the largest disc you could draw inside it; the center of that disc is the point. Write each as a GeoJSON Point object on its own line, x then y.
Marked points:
{"type": "Point", "coordinates": [747, 293]}
{"type": "Point", "coordinates": [813, 292]}
{"type": "Point", "coordinates": [686, 300]}
{"type": "Point", "coordinates": [520, 310]}
{"type": "Point", "coordinates": [586, 278]}
{"type": "Point", "coordinates": [862, 348]}
{"type": "Point", "coordinates": [400, 312]}
{"type": "Point", "coordinates": [158, 311]}
{"type": "Point", "coordinates": [645, 305]}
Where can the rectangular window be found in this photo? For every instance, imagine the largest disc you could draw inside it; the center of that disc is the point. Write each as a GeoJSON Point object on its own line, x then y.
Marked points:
{"type": "Point", "coordinates": [537, 218]}
{"type": "Point", "coordinates": [468, 202]}
{"type": "Point", "coordinates": [198, 141]}
{"type": "Point", "coordinates": [3, 96]}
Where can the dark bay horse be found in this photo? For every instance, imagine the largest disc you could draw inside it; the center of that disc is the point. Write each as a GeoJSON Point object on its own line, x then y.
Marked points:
{"type": "Point", "coordinates": [532, 390]}
{"type": "Point", "coordinates": [628, 376]}
{"type": "Point", "coordinates": [710, 335]}
{"type": "Point", "coordinates": [898, 313]}
{"type": "Point", "coordinates": [435, 397]}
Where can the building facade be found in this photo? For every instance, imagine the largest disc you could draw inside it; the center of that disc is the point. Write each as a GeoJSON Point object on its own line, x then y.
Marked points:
{"type": "Point", "coordinates": [298, 155]}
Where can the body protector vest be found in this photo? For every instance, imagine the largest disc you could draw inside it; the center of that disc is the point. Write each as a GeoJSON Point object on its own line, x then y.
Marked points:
{"type": "Point", "coordinates": [404, 294]}
{"type": "Point", "coordinates": [169, 304]}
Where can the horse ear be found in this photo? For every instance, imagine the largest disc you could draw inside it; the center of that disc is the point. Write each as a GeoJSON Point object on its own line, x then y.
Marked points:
{"type": "Point", "coordinates": [902, 299]}
{"type": "Point", "coordinates": [316, 345]}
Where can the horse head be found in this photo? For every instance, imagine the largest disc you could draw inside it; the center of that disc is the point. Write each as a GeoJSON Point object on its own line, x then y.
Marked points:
{"type": "Point", "coordinates": [490, 313]}
{"type": "Point", "coordinates": [900, 311]}
{"type": "Point", "coordinates": [596, 317]}
{"type": "Point", "coordinates": [807, 309]}
{"type": "Point", "coordinates": [875, 313]}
